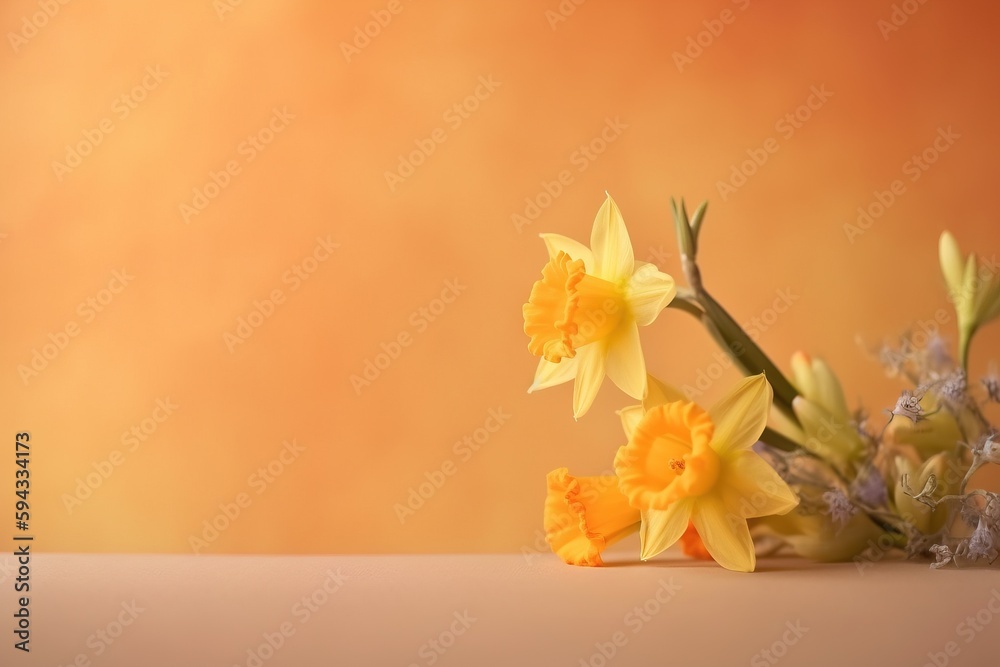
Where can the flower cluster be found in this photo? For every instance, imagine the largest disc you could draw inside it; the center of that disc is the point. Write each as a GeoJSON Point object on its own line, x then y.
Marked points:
{"type": "Point", "coordinates": [720, 481]}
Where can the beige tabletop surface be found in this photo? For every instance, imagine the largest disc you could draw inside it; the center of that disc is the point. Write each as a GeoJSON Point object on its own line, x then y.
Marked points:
{"type": "Point", "coordinates": [517, 609]}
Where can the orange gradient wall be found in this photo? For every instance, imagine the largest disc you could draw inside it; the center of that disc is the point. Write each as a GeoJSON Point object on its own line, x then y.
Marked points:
{"type": "Point", "coordinates": [172, 170]}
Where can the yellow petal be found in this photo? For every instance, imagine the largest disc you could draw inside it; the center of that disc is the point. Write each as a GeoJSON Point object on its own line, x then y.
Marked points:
{"type": "Point", "coordinates": [659, 393]}
{"type": "Point", "coordinates": [661, 528]}
{"type": "Point", "coordinates": [830, 438]}
{"type": "Point", "coordinates": [555, 243]}
{"type": "Point", "coordinates": [609, 241]}
{"type": "Point", "coordinates": [631, 417]}
{"type": "Point", "coordinates": [988, 295]}
{"type": "Point", "coordinates": [951, 262]}
{"type": "Point", "coordinates": [829, 393]}
{"type": "Point", "coordinates": [965, 298]}
{"type": "Point", "coordinates": [725, 535]}
{"type": "Point", "coordinates": [938, 432]}
{"type": "Point", "coordinates": [583, 515]}
{"type": "Point", "coordinates": [549, 374]}
{"type": "Point", "coordinates": [752, 488]}
{"type": "Point", "coordinates": [589, 376]}
{"type": "Point", "coordinates": [741, 415]}
{"type": "Point", "coordinates": [802, 372]}
{"type": "Point", "coordinates": [648, 292]}
{"type": "Point", "coordinates": [625, 364]}
{"type": "Point", "coordinates": [815, 536]}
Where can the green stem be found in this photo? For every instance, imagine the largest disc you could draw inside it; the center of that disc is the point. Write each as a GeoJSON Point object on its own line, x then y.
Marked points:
{"type": "Point", "coordinates": [774, 439]}
{"type": "Point", "coordinates": [745, 352]}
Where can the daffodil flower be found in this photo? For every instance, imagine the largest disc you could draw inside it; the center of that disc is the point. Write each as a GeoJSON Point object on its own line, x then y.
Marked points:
{"type": "Point", "coordinates": [583, 315]}
{"type": "Point", "coordinates": [944, 467]}
{"type": "Point", "coordinates": [584, 515]}
{"type": "Point", "coordinates": [822, 411]}
{"type": "Point", "coordinates": [684, 464]}
{"type": "Point", "coordinates": [974, 288]}
{"type": "Point", "coordinates": [936, 429]}
{"type": "Point", "coordinates": [817, 537]}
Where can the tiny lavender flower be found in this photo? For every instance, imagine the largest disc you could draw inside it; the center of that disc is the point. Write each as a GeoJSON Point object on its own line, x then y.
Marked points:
{"type": "Point", "coordinates": [955, 386]}
{"type": "Point", "coordinates": [838, 506]}
{"type": "Point", "coordinates": [981, 544]}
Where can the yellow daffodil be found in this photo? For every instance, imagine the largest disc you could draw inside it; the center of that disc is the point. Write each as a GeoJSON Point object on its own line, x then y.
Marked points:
{"type": "Point", "coordinates": [818, 537]}
{"type": "Point", "coordinates": [583, 315]}
{"type": "Point", "coordinates": [583, 515]}
{"type": "Point", "coordinates": [935, 431]}
{"type": "Point", "coordinates": [822, 411]}
{"type": "Point", "coordinates": [947, 474]}
{"type": "Point", "coordinates": [974, 288]}
{"type": "Point", "coordinates": [683, 464]}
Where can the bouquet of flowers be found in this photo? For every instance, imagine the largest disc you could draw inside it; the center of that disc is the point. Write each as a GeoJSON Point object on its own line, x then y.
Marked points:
{"type": "Point", "coordinates": [822, 480]}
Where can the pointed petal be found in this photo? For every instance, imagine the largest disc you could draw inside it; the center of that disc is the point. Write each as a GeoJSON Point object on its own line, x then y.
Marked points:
{"type": "Point", "coordinates": [990, 301]}
{"type": "Point", "coordinates": [589, 375]}
{"type": "Point", "coordinates": [631, 417]}
{"type": "Point", "coordinates": [802, 373]}
{"type": "Point", "coordinates": [741, 415]}
{"type": "Point", "coordinates": [753, 488]}
{"type": "Point", "coordinates": [555, 243]}
{"type": "Point", "coordinates": [648, 292]}
{"type": "Point", "coordinates": [951, 262]}
{"type": "Point", "coordinates": [829, 392]}
{"type": "Point", "coordinates": [724, 534]}
{"type": "Point", "coordinates": [609, 241]}
{"type": "Point", "coordinates": [626, 366]}
{"type": "Point", "coordinates": [549, 374]}
{"type": "Point", "coordinates": [829, 437]}
{"type": "Point", "coordinates": [965, 298]}
{"type": "Point", "coordinates": [660, 393]}
{"type": "Point", "coordinates": [661, 528]}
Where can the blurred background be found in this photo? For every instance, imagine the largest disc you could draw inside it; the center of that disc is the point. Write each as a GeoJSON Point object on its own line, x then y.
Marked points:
{"type": "Point", "coordinates": [263, 262]}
